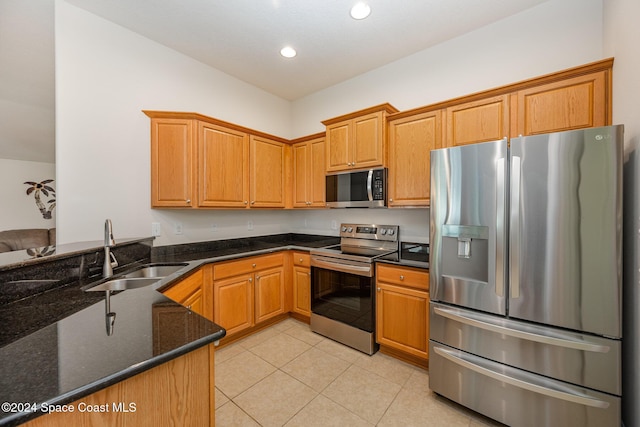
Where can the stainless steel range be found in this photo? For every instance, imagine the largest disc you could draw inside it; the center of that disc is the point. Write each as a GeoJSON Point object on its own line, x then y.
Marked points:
{"type": "Point", "coordinates": [343, 284]}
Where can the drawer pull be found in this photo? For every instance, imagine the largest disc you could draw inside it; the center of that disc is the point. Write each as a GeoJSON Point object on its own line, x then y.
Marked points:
{"type": "Point", "coordinates": [401, 277]}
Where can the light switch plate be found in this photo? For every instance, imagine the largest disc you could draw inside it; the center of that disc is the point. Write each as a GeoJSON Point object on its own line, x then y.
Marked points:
{"type": "Point", "coordinates": [156, 230]}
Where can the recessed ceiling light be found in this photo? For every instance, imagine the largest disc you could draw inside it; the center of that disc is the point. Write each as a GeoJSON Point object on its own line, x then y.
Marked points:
{"type": "Point", "coordinates": [288, 52]}
{"type": "Point", "coordinates": [360, 10]}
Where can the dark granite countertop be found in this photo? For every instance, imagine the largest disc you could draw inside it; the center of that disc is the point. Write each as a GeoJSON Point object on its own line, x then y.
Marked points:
{"type": "Point", "coordinates": [54, 346]}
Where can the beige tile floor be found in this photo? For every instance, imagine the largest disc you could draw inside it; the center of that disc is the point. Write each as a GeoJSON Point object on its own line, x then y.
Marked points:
{"type": "Point", "coordinates": [287, 375]}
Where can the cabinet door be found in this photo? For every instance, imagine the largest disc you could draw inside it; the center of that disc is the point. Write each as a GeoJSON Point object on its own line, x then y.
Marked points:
{"type": "Point", "coordinates": [410, 141]}
{"type": "Point", "coordinates": [233, 303]}
{"type": "Point", "coordinates": [574, 103]}
{"type": "Point", "coordinates": [302, 290]}
{"type": "Point", "coordinates": [337, 149]}
{"type": "Point", "coordinates": [316, 189]}
{"type": "Point", "coordinates": [402, 316]}
{"type": "Point", "coordinates": [367, 141]}
{"type": "Point", "coordinates": [477, 121]}
{"type": "Point", "coordinates": [309, 174]}
{"type": "Point", "coordinates": [269, 293]}
{"type": "Point", "coordinates": [301, 168]}
{"type": "Point", "coordinates": [267, 173]}
{"type": "Point", "coordinates": [173, 167]}
{"type": "Point", "coordinates": [223, 167]}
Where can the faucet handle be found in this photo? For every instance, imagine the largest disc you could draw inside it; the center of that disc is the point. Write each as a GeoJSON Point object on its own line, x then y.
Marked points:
{"type": "Point", "coordinates": [114, 261]}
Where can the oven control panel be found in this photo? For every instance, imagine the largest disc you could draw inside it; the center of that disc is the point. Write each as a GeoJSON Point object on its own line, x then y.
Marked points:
{"type": "Point", "coordinates": [370, 231]}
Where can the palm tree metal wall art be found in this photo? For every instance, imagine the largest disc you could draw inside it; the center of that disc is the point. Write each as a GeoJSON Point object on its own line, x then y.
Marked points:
{"type": "Point", "coordinates": [38, 188]}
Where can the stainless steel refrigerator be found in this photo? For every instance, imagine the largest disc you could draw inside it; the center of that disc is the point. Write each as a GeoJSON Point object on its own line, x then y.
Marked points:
{"type": "Point", "coordinates": [526, 277]}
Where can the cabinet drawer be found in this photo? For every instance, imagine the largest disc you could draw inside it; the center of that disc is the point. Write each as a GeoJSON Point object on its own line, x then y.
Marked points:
{"type": "Point", "coordinates": [301, 259]}
{"type": "Point", "coordinates": [247, 265]}
{"type": "Point", "coordinates": [414, 277]}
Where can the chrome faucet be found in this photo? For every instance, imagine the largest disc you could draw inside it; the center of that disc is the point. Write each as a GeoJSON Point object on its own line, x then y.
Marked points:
{"type": "Point", "coordinates": [109, 258]}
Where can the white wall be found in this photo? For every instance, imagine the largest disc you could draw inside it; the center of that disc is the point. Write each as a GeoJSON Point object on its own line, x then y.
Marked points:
{"type": "Point", "coordinates": [105, 75]}
{"type": "Point", "coordinates": [18, 209]}
{"type": "Point", "coordinates": [555, 35]}
{"type": "Point", "coordinates": [621, 37]}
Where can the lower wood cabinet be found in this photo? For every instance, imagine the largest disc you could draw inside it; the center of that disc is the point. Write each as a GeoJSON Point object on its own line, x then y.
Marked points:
{"type": "Point", "coordinates": [248, 291]}
{"type": "Point", "coordinates": [179, 392]}
{"type": "Point", "coordinates": [301, 284]}
{"type": "Point", "coordinates": [402, 311]}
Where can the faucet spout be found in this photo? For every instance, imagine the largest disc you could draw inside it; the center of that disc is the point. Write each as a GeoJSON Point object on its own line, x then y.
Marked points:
{"type": "Point", "coordinates": [108, 234]}
{"type": "Point", "coordinates": [109, 258]}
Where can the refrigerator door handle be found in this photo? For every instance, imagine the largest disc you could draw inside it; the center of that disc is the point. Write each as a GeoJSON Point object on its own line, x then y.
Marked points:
{"type": "Point", "coordinates": [500, 218]}
{"type": "Point", "coordinates": [514, 231]}
{"type": "Point", "coordinates": [529, 336]}
{"type": "Point", "coordinates": [556, 394]}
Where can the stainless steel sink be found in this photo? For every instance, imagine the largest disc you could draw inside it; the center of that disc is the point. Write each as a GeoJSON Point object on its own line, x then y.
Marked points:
{"type": "Point", "coordinates": [154, 270]}
{"type": "Point", "coordinates": [123, 284]}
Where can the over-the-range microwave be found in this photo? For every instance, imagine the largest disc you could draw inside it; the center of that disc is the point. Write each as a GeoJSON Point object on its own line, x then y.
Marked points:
{"type": "Point", "coordinates": [360, 189]}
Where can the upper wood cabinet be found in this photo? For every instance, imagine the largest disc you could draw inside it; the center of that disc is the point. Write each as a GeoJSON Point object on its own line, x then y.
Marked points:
{"type": "Point", "coordinates": [477, 121]}
{"type": "Point", "coordinates": [357, 140]}
{"type": "Point", "coordinates": [200, 162]}
{"type": "Point", "coordinates": [568, 104]}
{"type": "Point", "coordinates": [223, 178]}
{"type": "Point", "coordinates": [173, 167]}
{"type": "Point", "coordinates": [410, 140]}
{"type": "Point", "coordinates": [308, 172]}
{"type": "Point", "coordinates": [267, 173]}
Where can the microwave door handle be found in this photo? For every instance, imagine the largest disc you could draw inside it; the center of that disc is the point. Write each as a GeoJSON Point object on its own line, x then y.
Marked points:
{"type": "Point", "coordinates": [369, 183]}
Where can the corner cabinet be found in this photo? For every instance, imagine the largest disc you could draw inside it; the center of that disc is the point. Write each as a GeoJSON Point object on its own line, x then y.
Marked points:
{"type": "Point", "coordinates": [357, 140]}
{"type": "Point", "coordinates": [402, 312]}
{"type": "Point", "coordinates": [194, 293]}
{"type": "Point", "coordinates": [308, 172]}
{"type": "Point", "coordinates": [411, 138]}
{"type": "Point", "coordinates": [267, 173]}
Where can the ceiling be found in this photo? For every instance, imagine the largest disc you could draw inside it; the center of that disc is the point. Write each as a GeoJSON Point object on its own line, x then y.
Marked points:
{"type": "Point", "coordinates": [239, 37]}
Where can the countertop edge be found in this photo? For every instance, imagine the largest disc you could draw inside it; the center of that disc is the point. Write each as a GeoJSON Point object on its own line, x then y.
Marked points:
{"type": "Point", "coordinates": [102, 383]}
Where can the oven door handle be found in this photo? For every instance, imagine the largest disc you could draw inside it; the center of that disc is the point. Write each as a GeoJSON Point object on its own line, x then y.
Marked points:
{"type": "Point", "coordinates": [345, 268]}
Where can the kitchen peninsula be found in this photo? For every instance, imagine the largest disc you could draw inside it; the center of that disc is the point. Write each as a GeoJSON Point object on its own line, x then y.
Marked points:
{"type": "Point", "coordinates": [56, 350]}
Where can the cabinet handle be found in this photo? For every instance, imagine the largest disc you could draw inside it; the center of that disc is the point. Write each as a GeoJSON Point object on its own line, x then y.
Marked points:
{"type": "Point", "coordinates": [246, 203]}
{"type": "Point", "coordinates": [189, 307]}
{"type": "Point", "coordinates": [250, 279]}
{"type": "Point", "coordinates": [253, 202]}
{"type": "Point", "coordinates": [257, 278]}
{"type": "Point", "coordinates": [309, 273]}
{"type": "Point", "coordinates": [391, 200]}
{"type": "Point", "coordinates": [188, 201]}
{"type": "Point", "coordinates": [379, 289]}
{"type": "Point", "coordinates": [253, 265]}
{"type": "Point", "coordinates": [401, 277]}
{"type": "Point", "coordinates": [300, 259]}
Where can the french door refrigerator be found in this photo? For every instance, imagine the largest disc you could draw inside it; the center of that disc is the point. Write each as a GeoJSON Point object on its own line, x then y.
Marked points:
{"type": "Point", "coordinates": [526, 277]}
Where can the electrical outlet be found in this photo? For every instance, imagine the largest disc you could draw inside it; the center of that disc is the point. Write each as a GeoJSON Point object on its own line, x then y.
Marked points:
{"type": "Point", "coordinates": [249, 225]}
{"type": "Point", "coordinates": [334, 225]}
{"type": "Point", "coordinates": [177, 228]}
{"type": "Point", "coordinates": [214, 228]}
{"type": "Point", "coordinates": [155, 229]}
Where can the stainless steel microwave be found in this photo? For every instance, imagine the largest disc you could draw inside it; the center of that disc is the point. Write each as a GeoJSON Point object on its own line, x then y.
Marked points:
{"type": "Point", "coordinates": [361, 189]}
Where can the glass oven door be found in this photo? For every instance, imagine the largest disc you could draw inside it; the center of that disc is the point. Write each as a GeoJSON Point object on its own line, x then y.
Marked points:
{"type": "Point", "coordinates": [343, 296]}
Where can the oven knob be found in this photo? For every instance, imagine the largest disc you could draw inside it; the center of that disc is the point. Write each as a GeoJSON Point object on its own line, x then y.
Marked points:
{"type": "Point", "coordinates": [350, 229]}
{"type": "Point", "coordinates": [383, 231]}
{"type": "Point", "coordinates": [390, 232]}
{"type": "Point", "coordinates": [344, 229]}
